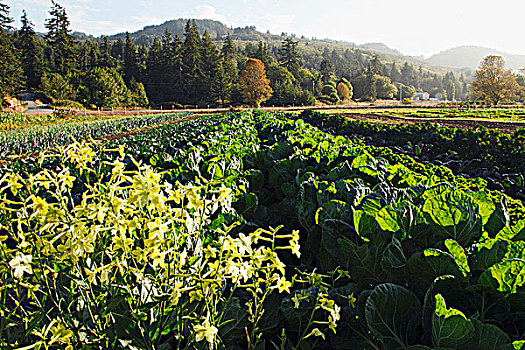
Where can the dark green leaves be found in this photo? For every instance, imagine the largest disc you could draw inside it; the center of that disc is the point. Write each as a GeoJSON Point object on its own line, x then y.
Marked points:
{"type": "Point", "coordinates": [393, 314]}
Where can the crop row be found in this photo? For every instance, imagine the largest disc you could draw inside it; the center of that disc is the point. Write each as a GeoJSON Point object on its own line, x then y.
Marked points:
{"type": "Point", "coordinates": [495, 156]}
{"type": "Point", "coordinates": [40, 137]}
{"type": "Point", "coordinates": [513, 114]}
{"type": "Point", "coordinates": [390, 253]}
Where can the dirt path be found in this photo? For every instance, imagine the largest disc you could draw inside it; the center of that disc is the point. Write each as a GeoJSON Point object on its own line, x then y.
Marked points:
{"type": "Point", "coordinates": [507, 127]}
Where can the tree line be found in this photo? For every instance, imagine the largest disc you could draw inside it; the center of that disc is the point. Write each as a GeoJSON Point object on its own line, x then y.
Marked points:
{"type": "Point", "coordinates": [193, 70]}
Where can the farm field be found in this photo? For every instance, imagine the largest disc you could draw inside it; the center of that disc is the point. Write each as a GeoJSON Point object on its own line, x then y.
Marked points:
{"type": "Point", "coordinates": [259, 230]}
{"type": "Point", "coordinates": [23, 135]}
{"type": "Point", "coordinates": [475, 152]}
{"type": "Point", "coordinates": [499, 114]}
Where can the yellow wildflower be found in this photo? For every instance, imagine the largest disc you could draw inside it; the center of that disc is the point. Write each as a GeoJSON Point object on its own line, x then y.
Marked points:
{"type": "Point", "coordinates": [205, 331]}
{"type": "Point", "coordinates": [21, 263]}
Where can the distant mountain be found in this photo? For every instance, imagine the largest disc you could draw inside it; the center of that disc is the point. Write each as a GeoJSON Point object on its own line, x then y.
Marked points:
{"type": "Point", "coordinates": [471, 56]}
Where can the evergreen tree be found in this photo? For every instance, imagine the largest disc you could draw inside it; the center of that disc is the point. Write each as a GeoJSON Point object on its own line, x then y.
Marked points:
{"type": "Point", "coordinates": [210, 66]}
{"type": "Point", "coordinates": [289, 56]}
{"type": "Point", "coordinates": [93, 55]}
{"type": "Point", "coordinates": [228, 48]}
{"type": "Point", "coordinates": [60, 40]}
{"type": "Point", "coordinates": [5, 19]}
{"type": "Point", "coordinates": [174, 69]}
{"type": "Point", "coordinates": [155, 70]}
{"type": "Point", "coordinates": [395, 74]}
{"type": "Point", "coordinates": [117, 50]}
{"type": "Point", "coordinates": [83, 57]}
{"type": "Point", "coordinates": [107, 60]}
{"type": "Point", "coordinates": [262, 53]}
{"type": "Point", "coordinates": [131, 63]}
{"type": "Point", "coordinates": [221, 87]}
{"type": "Point", "coordinates": [192, 64]}
{"type": "Point", "coordinates": [375, 66]}
{"type": "Point", "coordinates": [11, 73]}
{"type": "Point", "coordinates": [229, 62]}
{"type": "Point", "coordinates": [325, 70]}
{"type": "Point", "coordinates": [31, 53]}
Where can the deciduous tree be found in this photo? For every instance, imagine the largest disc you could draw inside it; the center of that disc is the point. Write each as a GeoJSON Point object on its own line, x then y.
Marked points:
{"type": "Point", "coordinates": [493, 82]}
{"type": "Point", "coordinates": [255, 85]}
{"type": "Point", "coordinates": [343, 91]}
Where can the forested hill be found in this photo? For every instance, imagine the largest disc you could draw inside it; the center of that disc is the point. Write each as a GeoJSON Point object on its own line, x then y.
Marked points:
{"type": "Point", "coordinates": [250, 35]}
{"type": "Point", "coordinates": [470, 57]}
{"type": "Point", "coordinates": [145, 36]}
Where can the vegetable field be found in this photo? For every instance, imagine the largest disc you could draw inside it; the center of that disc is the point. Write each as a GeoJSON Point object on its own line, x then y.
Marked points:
{"type": "Point", "coordinates": [259, 230]}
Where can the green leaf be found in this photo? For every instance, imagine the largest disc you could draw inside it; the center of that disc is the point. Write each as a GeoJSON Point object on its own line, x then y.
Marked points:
{"type": "Point", "coordinates": [450, 327]}
{"type": "Point", "coordinates": [488, 337]}
{"type": "Point", "coordinates": [458, 253]}
{"type": "Point", "coordinates": [363, 160]}
{"type": "Point", "coordinates": [448, 285]}
{"type": "Point", "coordinates": [488, 253]}
{"type": "Point", "coordinates": [455, 216]}
{"type": "Point", "coordinates": [513, 233]}
{"type": "Point", "coordinates": [499, 218]}
{"type": "Point", "coordinates": [365, 225]}
{"type": "Point", "coordinates": [486, 204]}
{"type": "Point", "coordinates": [518, 345]}
{"type": "Point", "coordinates": [387, 219]}
{"type": "Point", "coordinates": [393, 314]}
{"type": "Point", "coordinates": [505, 277]}
{"type": "Point", "coordinates": [402, 216]}
{"type": "Point", "coordinates": [432, 263]}
{"type": "Point", "coordinates": [394, 256]}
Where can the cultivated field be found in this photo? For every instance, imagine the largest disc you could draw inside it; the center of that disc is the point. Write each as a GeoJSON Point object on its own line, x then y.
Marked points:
{"type": "Point", "coordinates": [255, 230]}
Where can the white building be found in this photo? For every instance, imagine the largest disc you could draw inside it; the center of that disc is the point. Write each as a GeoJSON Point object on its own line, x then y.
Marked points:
{"type": "Point", "coordinates": [422, 96]}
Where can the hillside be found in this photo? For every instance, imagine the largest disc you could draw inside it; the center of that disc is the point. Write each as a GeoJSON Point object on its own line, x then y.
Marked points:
{"type": "Point", "coordinates": [250, 35]}
{"type": "Point", "coordinates": [470, 57]}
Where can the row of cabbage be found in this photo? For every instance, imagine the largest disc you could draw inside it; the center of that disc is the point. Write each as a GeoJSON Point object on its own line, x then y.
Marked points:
{"type": "Point", "coordinates": [493, 155]}
{"type": "Point", "coordinates": [403, 223]}
{"type": "Point", "coordinates": [31, 139]}
{"type": "Point", "coordinates": [384, 251]}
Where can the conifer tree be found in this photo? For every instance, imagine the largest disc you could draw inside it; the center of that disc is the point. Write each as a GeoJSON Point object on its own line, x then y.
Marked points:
{"type": "Point", "coordinates": [117, 50]}
{"type": "Point", "coordinates": [174, 69]}
{"type": "Point", "coordinates": [229, 61]}
{"type": "Point", "coordinates": [192, 63]}
{"type": "Point", "coordinates": [395, 74]}
{"type": "Point", "coordinates": [60, 40]}
{"type": "Point", "coordinates": [131, 65]}
{"type": "Point", "coordinates": [289, 56]}
{"type": "Point", "coordinates": [326, 69]}
{"type": "Point", "coordinates": [221, 86]}
{"type": "Point", "coordinates": [11, 74]}
{"type": "Point", "coordinates": [31, 53]}
{"type": "Point", "coordinates": [210, 66]}
{"type": "Point", "coordinates": [106, 61]}
{"type": "Point", "coordinates": [262, 53]}
{"type": "Point", "coordinates": [155, 71]}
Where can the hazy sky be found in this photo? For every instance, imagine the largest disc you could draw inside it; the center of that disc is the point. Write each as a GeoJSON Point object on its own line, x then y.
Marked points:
{"type": "Point", "coordinates": [415, 27]}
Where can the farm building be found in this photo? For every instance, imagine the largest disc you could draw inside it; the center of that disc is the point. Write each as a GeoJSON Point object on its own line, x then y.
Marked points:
{"type": "Point", "coordinates": [422, 96]}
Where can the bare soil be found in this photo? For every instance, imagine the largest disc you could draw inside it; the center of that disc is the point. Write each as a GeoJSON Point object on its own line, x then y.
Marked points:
{"type": "Point", "coordinates": [507, 127]}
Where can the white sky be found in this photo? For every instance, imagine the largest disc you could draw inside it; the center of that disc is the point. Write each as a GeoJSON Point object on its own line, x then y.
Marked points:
{"type": "Point", "coordinates": [415, 27]}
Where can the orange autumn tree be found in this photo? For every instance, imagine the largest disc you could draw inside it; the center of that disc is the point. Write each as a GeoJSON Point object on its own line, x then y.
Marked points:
{"type": "Point", "coordinates": [255, 85]}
